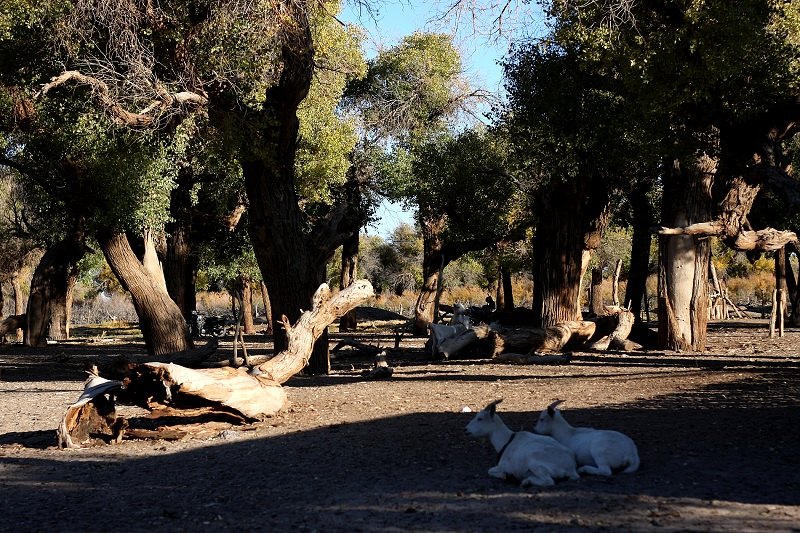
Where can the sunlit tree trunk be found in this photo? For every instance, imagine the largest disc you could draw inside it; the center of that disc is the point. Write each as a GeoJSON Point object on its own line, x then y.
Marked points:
{"type": "Point", "coordinates": [160, 319]}
{"type": "Point", "coordinates": [595, 292]}
{"type": "Point", "coordinates": [246, 304]}
{"type": "Point", "coordinates": [267, 307]}
{"type": "Point", "coordinates": [433, 262]}
{"type": "Point", "coordinates": [683, 259]}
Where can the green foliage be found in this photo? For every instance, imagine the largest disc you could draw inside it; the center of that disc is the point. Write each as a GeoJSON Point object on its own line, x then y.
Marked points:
{"type": "Point", "coordinates": [464, 178]}
{"type": "Point", "coordinates": [326, 138]}
{"type": "Point", "coordinates": [410, 88]}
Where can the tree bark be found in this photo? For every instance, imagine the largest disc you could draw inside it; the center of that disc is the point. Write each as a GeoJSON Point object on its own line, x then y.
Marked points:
{"type": "Point", "coordinates": [267, 307]}
{"type": "Point", "coordinates": [595, 292]}
{"type": "Point", "coordinates": [643, 220]}
{"type": "Point", "coordinates": [160, 319]}
{"type": "Point", "coordinates": [615, 283]}
{"type": "Point", "coordinates": [180, 264]}
{"type": "Point", "coordinates": [781, 285]}
{"type": "Point", "coordinates": [246, 304]}
{"type": "Point", "coordinates": [348, 275]}
{"type": "Point", "coordinates": [433, 262]}
{"type": "Point", "coordinates": [19, 301]}
{"type": "Point", "coordinates": [61, 315]}
{"type": "Point", "coordinates": [683, 268]}
{"type": "Point", "coordinates": [508, 290]}
{"type": "Point", "coordinates": [50, 284]}
{"type": "Point", "coordinates": [574, 215]}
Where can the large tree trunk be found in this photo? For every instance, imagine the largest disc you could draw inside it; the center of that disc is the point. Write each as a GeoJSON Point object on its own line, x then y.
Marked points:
{"type": "Point", "coordinates": [683, 268]}
{"type": "Point", "coordinates": [348, 275]}
{"type": "Point", "coordinates": [291, 260]}
{"type": "Point", "coordinates": [61, 312]}
{"type": "Point", "coordinates": [643, 220]}
{"type": "Point", "coordinates": [573, 218]}
{"type": "Point", "coordinates": [161, 321]}
{"type": "Point", "coordinates": [50, 284]}
{"type": "Point", "coordinates": [19, 300]}
{"type": "Point", "coordinates": [433, 262]}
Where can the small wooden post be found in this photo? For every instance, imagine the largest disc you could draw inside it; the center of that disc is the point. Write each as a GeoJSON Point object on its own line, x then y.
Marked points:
{"type": "Point", "coordinates": [774, 313]}
{"type": "Point", "coordinates": [615, 284]}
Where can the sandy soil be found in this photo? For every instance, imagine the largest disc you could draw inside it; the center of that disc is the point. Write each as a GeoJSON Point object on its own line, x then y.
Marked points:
{"type": "Point", "coordinates": [718, 434]}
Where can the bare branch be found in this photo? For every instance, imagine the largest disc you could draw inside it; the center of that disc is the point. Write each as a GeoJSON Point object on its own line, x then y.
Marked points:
{"type": "Point", "coordinates": [168, 102]}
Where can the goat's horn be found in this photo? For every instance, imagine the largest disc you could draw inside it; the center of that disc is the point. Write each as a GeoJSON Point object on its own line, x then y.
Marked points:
{"type": "Point", "coordinates": [555, 403]}
{"type": "Point", "coordinates": [492, 406]}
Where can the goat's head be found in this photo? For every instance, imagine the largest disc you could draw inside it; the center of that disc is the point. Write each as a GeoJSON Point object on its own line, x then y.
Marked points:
{"type": "Point", "coordinates": [483, 423]}
{"type": "Point", "coordinates": [548, 418]}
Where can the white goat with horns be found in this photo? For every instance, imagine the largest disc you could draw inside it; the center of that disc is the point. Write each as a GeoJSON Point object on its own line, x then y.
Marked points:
{"type": "Point", "coordinates": [598, 451]}
{"type": "Point", "coordinates": [532, 459]}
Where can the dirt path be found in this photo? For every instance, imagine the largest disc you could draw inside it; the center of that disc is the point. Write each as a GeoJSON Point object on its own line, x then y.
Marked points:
{"type": "Point", "coordinates": [718, 435]}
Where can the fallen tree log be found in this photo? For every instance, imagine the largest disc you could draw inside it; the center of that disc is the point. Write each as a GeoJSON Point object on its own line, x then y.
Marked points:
{"type": "Point", "coordinates": [625, 319]}
{"type": "Point", "coordinates": [234, 393]}
{"type": "Point", "coordinates": [453, 345]}
{"type": "Point", "coordinates": [547, 340]}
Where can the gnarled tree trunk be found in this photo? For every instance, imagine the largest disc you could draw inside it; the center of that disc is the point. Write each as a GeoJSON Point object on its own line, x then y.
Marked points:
{"type": "Point", "coordinates": [570, 229]}
{"type": "Point", "coordinates": [51, 284]}
{"type": "Point", "coordinates": [433, 262]}
{"type": "Point", "coordinates": [160, 319]}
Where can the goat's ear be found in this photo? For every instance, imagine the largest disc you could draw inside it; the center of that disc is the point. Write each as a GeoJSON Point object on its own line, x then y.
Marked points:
{"type": "Point", "coordinates": [551, 409]}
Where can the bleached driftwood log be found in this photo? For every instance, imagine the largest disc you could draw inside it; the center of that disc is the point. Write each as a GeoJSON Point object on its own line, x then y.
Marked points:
{"type": "Point", "coordinates": [453, 345]}
{"type": "Point", "coordinates": [237, 392]}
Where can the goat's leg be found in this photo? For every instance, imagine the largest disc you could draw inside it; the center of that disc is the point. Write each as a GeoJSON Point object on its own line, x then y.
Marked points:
{"type": "Point", "coordinates": [539, 477]}
{"type": "Point", "coordinates": [599, 470]}
{"type": "Point", "coordinates": [498, 472]}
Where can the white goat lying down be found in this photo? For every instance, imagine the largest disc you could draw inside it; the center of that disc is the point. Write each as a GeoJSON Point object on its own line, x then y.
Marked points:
{"type": "Point", "coordinates": [598, 451]}
{"type": "Point", "coordinates": [533, 459]}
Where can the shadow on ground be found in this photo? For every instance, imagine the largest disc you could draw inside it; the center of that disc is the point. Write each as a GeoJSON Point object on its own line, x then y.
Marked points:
{"type": "Point", "coordinates": [708, 454]}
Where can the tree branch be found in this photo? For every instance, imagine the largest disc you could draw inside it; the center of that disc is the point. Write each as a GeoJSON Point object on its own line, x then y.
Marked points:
{"type": "Point", "coordinates": [168, 101]}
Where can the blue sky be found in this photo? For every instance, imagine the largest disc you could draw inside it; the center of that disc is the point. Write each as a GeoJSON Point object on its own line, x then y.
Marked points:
{"type": "Point", "coordinates": [395, 20]}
